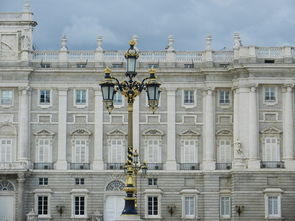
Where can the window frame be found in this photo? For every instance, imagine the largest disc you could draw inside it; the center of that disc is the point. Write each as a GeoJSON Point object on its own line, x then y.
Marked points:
{"type": "Point", "coordinates": [229, 154]}
{"type": "Point", "coordinates": [269, 102]}
{"type": "Point", "coordinates": [12, 97]}
{"type": "Point", "coordinates": [79, 193]}
{"type": "Point", "coordinates": [43, 192]}
{"type": "Point", "coordinates": [153, 193]}
{"type": "Point", "coordinates": [44, 105]}
{"type": "Point", "coordinates": [225, 216]}
{"type": "Point", "coordinates": [111, 150]}
{"type": "Point", "coordinates": [273, 192]}
{"type": "Point", "coordinates": [224, 105]}
{"type": "Point", "coordinates": [82, 105]}
{"type": "Point", "coordinates": [189, 193]}
{"type": "Point", "coordinates": [12, 153]}
{"type": "Point", "coordinates": [147, 147]}
{"type": "Point", "coordinates": [196, 149]}
{"type": "Point", "coordinates": [74, 148]}
{"type": "Point", "coordinates": [189, 105]}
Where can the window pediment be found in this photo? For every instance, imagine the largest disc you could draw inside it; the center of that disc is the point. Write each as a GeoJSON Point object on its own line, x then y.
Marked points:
{"type": "Point", "coordinates": [7, 129]}
{"type": "Point", "coordinates": [116, 132]}
{"type": "Point", "coordinates": [271, 130]}
{"type": "Point", "coordinates": [153, 132]}
{"type": "Point", "coordinates": [224, 133]}
{"type": "Point", "coordinates": [44, 132]}
{"type": "Point", "coordinates": [190, 132]}
{"type": "Point", "coordinates": [81, 132]}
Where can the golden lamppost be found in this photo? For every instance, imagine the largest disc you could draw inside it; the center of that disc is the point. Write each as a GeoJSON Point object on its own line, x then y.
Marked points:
{"type": "Point", "coordinates": [131, 88]}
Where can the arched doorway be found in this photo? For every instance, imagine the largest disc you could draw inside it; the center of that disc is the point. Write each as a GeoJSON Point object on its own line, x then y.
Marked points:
{"type": "Point", "coordinates": [114, 200]}
{"type": "Point", "coordinates": [7, 201]}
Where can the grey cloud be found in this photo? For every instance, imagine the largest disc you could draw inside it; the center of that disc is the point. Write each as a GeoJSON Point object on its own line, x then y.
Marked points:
{"type": "Point", "coordinates": [263, 22]}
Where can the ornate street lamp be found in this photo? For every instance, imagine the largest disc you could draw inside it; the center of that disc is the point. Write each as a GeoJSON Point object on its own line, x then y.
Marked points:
{"type": "Point", "coordinates": [131, 88]}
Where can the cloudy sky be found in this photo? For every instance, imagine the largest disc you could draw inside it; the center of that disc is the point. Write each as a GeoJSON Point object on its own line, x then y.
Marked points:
{"type": "Point", "coordinates": [260, 22]}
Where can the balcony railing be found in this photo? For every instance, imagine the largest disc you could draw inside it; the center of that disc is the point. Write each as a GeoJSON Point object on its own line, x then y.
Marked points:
{"type": "Point", "coordinates": [13, 166]}
{"type": "Point", "coordinates": [79, 166]}
{"type": "Point", "coordinates": [223, 166]}
{"type": "Point", "coordinates": [43, 166]}
{"type": "Point", "coordinates": [189, 166]}
{"type": "Point", "coordinates": [115, 166]}
{"type": "Point", "coordinates": [155, 166]}
{"type": "Point", "coordinates": [272, 164]}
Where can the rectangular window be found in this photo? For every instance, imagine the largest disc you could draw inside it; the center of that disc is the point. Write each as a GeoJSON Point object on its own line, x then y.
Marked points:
{"type": "Point", "coordinates": [44, 151]}
{"type": "Point", "coordinates": [42, 205]}
{"type": "Point", "coordinates": [6, 97]}
{"type": "Point", "coordinates": [153, 151]}
{"type": "Point", "coordinates": [271, 149]}
{"type": "Point", "coordinates": [81, 65]}
{"type": "Point", "coordinates": [273, 206]}
{"type": "Point", "coordinates": [79, 181]}
{"type": "Point", "coordinates": [152, 181]}
{"type": "Point", "coordinates": [79, 205]}
{"type": "Point", "coordinates": [188, 65]}
{"type": "Point", "coordinates": [43, 181]}
{"type": "Point", "coordinates": [44, 97]}
{"type": "Point", "coordinates": [80, 151]}
{"type": "Point", "coordinates": [153, 205]}
{"type": "Point", "coordinates": [189, 206]}
{"type": "Point", "coordinates": [81, 96]}
{"type": "Point", "coordinates": [189, 151]}
{"type": "Point", "coordinates": [224, 153]}
{"type": "Point", "coordinates": [270, 94]}
{"type": "Point", "coordinates": [118, 99]}
{"type": "Point", "coordinates": [117, 151]}
{"type": "Point", "coordinates": [5, 150]}
{"type": "Point", "coordinates": [188, 97]}
{"type": "Point", "coordinates": [225, 206]}
{"type": "Point", "coordinates": [117, 65]}
{"type": "Point", "coordinates": [224, 97]}
{"type": "Point", "coordinates": [46, 65]}
{"type": "Point", "coordinates": [153, 65]}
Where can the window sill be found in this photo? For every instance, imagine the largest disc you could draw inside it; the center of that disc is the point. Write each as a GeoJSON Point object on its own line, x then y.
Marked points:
{"type": "Point", "coordinates": [153, 217]}
{"type": "Point", "coordinates": [274, 218]}
{"type": "Point", "coordinates": [44, 217]}
{"type": "Point", "coordinates": [270, 102]}
{"type": "Point", "coordinates": [79, 217]}
{"type": "Point", "coordinates": [45, 106]}
{"type": "Point", "coordinates": [189, 105]}
{"type": "Point", "coordinates": [81, 106]}
{"type": "Point", "coordinates": [6, 106]}
{"type": "Point", "coordinates": [118, 106]}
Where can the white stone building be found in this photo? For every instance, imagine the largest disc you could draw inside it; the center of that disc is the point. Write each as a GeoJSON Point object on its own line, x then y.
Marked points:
{"type": "Point", "coordinates": [220, 146]}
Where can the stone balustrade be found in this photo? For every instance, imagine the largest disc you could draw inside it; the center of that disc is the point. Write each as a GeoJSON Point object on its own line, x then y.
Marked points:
{"type": "Point", "coordinates": [161, 56]}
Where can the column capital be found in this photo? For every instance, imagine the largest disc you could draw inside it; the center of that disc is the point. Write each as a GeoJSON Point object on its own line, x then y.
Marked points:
{"type": "Point", "coordinates": [20, 177]}
{"type": "Point", "coordinates": [287, 88]}
{"type": "Point", "coordinates": [24, 90]}
{"type": "Point", "coordinates": [208, 91]}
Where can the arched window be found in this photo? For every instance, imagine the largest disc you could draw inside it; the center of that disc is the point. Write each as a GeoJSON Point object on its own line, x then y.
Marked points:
{"type": "Point", "coordinates": [115, 185]}
{"type": "Point", "coordinates": [6, 186]}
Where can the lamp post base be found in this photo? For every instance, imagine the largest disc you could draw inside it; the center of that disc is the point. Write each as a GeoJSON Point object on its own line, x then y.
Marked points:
{"type": "Point", "coordinates": [129, 218]}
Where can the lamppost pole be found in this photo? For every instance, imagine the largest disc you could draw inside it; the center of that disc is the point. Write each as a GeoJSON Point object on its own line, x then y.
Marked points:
{"type": "Point", "coordinates": [131, 89]}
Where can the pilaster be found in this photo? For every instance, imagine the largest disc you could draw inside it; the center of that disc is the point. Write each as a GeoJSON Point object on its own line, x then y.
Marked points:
{"type": "Point", "coordinates": [253, 130]}
{"type": "Point", "coordinates": [23, 122]}
{"type": "Point", "coordinates": [209, 135]}
{"type": "Point", "coordinates": [98, 133]}
{"type": "Point", "coordinates": [61, 163]}
{"type": "Point", "coordinates": [171, 130]}
{"type": "Point", "coordinates": [288, 128]}
{"type": "Point", "coordinates": [20, 196]}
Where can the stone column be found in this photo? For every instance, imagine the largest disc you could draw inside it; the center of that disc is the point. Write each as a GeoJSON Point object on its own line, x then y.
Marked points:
{"type": "Point", "coordinates": [171, 130]}
{"type": "Point", "coordinates": [288, 128]}
{"type": "Point", "coordinates": [23, 124]}
{"type": "Point", "coordinates": [236, 115]}
{"type": "Point", "coordinates": [253, 130]}
{"type": "Point", "coordinates": [209, 136]}
{"type": "Point", "coordinates": [98, 133]}
{"type": "Point", "coordinates": [61, 163]}
{"type": "Point", "coordinates": [136, 134]}
{"type": "Point", "coordinates": [20, 196]}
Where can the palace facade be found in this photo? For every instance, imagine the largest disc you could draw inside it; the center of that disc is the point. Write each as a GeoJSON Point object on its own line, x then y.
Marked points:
{"type": "Point", "coordinates": [219, 147]}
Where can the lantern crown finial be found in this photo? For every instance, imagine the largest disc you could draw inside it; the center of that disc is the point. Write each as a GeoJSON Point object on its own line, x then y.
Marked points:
{"type": "Point", "coordinates": [132, 42]}
{"type": "Point", "coordinates": [107, 70]}
{"type": "Point", "coordinates": [152, 70]}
